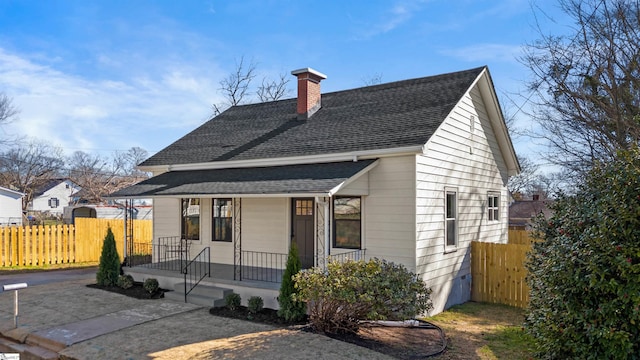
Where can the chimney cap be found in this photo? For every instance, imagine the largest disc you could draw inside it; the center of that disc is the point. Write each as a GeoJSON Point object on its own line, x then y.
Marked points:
{"type": "Point", "coordinates": [309, 70]}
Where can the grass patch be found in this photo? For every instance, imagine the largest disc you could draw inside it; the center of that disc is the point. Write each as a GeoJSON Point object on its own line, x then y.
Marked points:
{"type": "Point", "coordinates": [48, 267]}
{"type": "Point", "coordinates": [484, 331]}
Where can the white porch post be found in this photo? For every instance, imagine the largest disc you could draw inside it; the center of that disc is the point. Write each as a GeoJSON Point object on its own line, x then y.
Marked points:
{"type": "Point", "coordinates": [322, 231]}
{"type": "Point", "coordinates": [237, 239]}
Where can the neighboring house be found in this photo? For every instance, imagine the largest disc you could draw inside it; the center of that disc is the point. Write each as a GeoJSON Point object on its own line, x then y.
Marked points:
{"type": "Point", "coordinates": [410, 171]}
{"type": "Point", "coordinates": [522, 212]}
{"type": "Point", "coordinates": [107, 211]}
{"type": "Point", "coordinates": [53, 196]}
{"type": "Point", "coordinates": [10, 207]}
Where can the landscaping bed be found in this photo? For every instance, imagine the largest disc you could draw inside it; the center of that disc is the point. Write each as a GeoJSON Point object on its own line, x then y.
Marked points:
{"type": "Point", "coordinates": [136, 291]}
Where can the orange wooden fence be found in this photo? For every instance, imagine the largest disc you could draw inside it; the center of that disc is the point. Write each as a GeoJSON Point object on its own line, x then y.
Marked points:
{"type": "Point", "coordinates": [499, 274]}
{"type": "Point", "coordinates": [61, 244]}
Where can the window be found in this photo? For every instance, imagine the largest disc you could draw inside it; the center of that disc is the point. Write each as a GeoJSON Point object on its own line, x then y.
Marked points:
{"type": "Point", "coordinates": [347, 223]}
{"type": "Point", "coordinates": [493, 206]}
{"type": "Point", "coordinates": [191, 219]}
{"type": "Point", "coordinates": [451, 231]}
{"type": "Point", "coordinates": [222, 220]}
{"type": "Point", "coordinates": [54, 202]}
{"type": "Point", "coordinates": [304, 207]}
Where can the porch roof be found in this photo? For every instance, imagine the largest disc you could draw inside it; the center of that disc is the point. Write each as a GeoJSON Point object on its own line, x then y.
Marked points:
{"type": "Point", "coordinates": [323, 179]}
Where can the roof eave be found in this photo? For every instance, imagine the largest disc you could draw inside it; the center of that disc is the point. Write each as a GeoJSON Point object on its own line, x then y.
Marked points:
{"type": "Point", "coordinates": [293, 160]}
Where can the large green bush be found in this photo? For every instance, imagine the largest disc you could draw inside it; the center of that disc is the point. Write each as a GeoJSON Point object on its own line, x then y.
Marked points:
{"type": "Point", "coordinates": [585, 275]}
{"type": "Point", "coordinates": [290, 309]}
{"type": "Point", "coordinates": [346, 293]}
{"type": "Point", "coordinates": [109, 268]}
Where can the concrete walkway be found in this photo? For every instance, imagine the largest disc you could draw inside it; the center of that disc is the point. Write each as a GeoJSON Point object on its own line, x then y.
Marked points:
{"type": "Point", "coordinates": [71, 321]}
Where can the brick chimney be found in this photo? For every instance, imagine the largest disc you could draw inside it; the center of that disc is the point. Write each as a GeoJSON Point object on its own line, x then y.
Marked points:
{"type": "Point", "coordinates": [308, 91]}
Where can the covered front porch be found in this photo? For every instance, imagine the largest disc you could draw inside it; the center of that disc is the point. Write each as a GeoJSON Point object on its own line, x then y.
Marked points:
{"type": "Point", "coordinates": [254, 274]}
{"type": "Point", "coordinates": [235, 226]}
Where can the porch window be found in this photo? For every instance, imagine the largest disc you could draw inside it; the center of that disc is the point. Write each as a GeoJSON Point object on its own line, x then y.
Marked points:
{"type": "Point", "coordinates": [191, 219]}
{"type": "Point", "coordinates": [493, 207]}
{"type": "Point", "coordinates": [451, 214]}
{"type": "Point", "coordinates": [222, 220]}
{"type": "Point", "coordinates": [347, 223]}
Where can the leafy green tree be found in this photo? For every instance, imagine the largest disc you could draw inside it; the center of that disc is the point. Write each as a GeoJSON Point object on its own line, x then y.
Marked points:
{"type": "Point", "coordinates": [585, 274]}
{"type": "Point", "coordinates": [290, 309]}
{"type": "Point", "coordinates": [109, 268]}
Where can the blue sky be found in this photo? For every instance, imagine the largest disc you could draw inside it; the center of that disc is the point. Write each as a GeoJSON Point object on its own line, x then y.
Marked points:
{"type": "Point", "coordinates": [100, 76]}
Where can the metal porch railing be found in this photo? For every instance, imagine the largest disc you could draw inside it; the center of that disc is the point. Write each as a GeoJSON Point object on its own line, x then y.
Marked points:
{"type": "Point", "coordinates": [195, 270]}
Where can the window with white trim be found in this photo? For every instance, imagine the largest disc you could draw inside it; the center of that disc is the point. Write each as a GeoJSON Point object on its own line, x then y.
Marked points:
{"type": "Point", "coordinates": [493, 206]}
{"type": "Point", "coordinates": [222, 220]}
{"type": "Point", "coordinates": [191, 219]}
{"type": "Point", "coordinates": [54, 202]}
{"type": "Point", "coordinates": [451, 218]}
{"type": "Point", "coordinates": [347, 222]}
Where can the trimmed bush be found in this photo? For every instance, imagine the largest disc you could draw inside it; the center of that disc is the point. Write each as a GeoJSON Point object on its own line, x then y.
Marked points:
{"type": "Point", "coordinates": [290, 309]}
{"type": "Point", "coordinates": [151, 285]}
{"type": "Point", "coordinates": [233, 301]}
{"type": "Point", "coordinates": [347, 293]}
{"type": "Point", "coordinates": [585, 276]}
{"type": "Point", "coordinates": [109, 268]}
{"type": "Point", "coordinates": [125, 281]}
{"type": "Point", "coordinates": [255, 304]}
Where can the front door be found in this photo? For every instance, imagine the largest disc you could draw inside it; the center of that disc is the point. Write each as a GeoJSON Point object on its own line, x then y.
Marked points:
{"type": "Point", "coordinates": [302, 230]}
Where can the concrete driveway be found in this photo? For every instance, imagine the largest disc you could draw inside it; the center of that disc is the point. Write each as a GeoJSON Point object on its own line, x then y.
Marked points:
{"type": "Point", "coordinates": [69, 320]}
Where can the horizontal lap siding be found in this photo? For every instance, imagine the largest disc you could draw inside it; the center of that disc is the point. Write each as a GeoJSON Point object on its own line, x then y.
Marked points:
{"type": "Point", "coordinates": [265, 225]}
{"type": "Point", "coordinates": [389, 211]}
{"type": "Point", "coordinates": [474, 166]}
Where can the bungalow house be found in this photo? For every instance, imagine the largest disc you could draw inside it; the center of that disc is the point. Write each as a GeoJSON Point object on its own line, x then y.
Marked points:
{"type": "Point", "coordinates": [53, 196]}
{"type": "Point", "coordinates": [409, 171]}
{"type": "Point", "coordinates": [10, 207]}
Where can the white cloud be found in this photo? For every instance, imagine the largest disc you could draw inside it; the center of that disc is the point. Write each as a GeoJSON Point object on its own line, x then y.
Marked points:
{"type": "Point", "coordinates": [394, 17]}
{"type": "Point", "coordinates": [77, 112]}
{"type": "Point", "coordinates": [485, 53]}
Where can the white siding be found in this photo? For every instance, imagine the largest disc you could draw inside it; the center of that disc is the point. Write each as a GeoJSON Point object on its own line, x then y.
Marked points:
{"type": "Point", "coordinates": [62, 192]}
{"type": "Point", "coordinates": [471, 163]}
{"type": "Point", "coordinates": [360, 186]}
{"type": "Point", "coordinates": [388, 212]}
{"type": "Point", "coordinates": [166, 217]}
{"type": "Point", "coordinates": [265, 225]}
{"type": "Point", "coordinates": [10, 208]}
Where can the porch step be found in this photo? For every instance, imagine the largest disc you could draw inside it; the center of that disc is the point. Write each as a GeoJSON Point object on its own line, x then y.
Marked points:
{"type": "Point", "coordinates": [204, 295]}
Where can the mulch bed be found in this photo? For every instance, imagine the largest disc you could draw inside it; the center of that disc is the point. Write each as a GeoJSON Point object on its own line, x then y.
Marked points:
{"type": "Point", "coordinates": [136, 291]}
{"type": "Point", "coordinates": [399, 342]}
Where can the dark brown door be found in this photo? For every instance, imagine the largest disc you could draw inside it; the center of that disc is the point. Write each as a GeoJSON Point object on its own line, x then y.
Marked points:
{"type": "Point", "coordinates": [302, 229]}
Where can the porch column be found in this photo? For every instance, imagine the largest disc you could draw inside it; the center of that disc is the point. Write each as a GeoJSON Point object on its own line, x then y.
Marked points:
{"type": "Point", "coordinates": [237, 243]}
{"type": "Point", "coordinates": [323, 244]}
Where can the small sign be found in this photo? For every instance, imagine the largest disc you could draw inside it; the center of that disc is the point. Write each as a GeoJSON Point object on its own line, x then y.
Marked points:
{"type": "Point", "coordinates": [9, 356]}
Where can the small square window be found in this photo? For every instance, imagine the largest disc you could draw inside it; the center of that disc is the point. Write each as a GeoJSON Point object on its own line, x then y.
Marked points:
{"type": "Point", "coordinates": [54, 203]}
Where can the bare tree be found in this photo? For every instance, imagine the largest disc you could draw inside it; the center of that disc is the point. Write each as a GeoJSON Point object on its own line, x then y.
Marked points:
{"type": "Point", "coordinates": [236, 86]}
{"type": "Point", "coordinates": [374, 79]}
{"type": "Point", "coordinates": [522, 184]}
{"type": "Point", "coordinates": [99, 176]}
{"type": "Point", "coordinates": [587, 83]}
{"type": "Point", "coordinates": [272, 90]}
{"type": "Point", "coordinates": [8, 112]}
{"type": "Point", "coordinates": [27, 167]}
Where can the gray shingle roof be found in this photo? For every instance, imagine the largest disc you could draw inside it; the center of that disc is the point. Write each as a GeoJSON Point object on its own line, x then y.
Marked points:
{"type": "Point", "coordinates": [397, 114]}
{"type": "Point", "coordinates": [290, 179]}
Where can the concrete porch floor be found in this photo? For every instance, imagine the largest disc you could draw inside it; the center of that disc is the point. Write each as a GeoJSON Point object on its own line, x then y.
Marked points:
{"type": "Point", "coordinates": [222, 276]}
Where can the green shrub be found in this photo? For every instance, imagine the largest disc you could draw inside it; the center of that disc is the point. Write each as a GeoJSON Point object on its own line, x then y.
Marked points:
{"type": "Point", "coordinates": [585, 276]}
{"type": "Point", "coordinates": [255, 304]}
{"type": "Point", "coordinates": [232, 301]}
{"type": "Point", "coordinates": [347, 293]}
{"type": "Point", "coordinates": [151, 285]}
{"type": "Point", "coordinates": [290, 309]}
{"type": "Point", "coordinates": [109, 268]}
{"type": "Point", "coordinates": [125, 281]}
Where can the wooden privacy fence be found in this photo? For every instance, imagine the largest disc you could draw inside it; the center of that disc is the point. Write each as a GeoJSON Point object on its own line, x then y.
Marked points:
{"type": "Point", "coordinates": [499, 274]}
{"type": "Point", "coordinates": [61, 244]}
